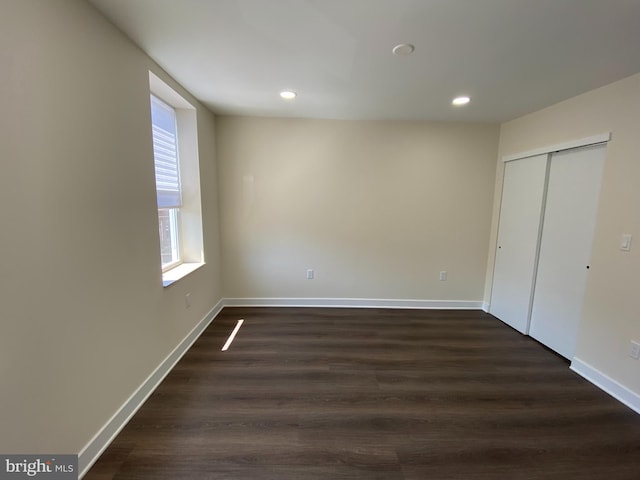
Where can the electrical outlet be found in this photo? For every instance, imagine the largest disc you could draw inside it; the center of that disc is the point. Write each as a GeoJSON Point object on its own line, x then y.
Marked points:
{"type": "Point", "coordinates": [634, 350]}
{"type": "Point", "coordinates": [187, 300]}
{"type": "Point", "coordinates": [310, 274]}
{"type": "Point", "coordinates": [443, 276]}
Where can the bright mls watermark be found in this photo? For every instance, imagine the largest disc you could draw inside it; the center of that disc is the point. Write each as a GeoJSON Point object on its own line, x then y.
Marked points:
{"type": "Point", "coordinates": [50, 467]}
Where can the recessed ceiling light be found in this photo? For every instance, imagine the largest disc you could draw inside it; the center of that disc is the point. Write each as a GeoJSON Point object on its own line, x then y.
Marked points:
{"type": "Point", "coordinates": [288, 94]}
{"type": "Point", "coordinates": [403, 49]}
{"type": "Point", "coordinates": [458, 101]}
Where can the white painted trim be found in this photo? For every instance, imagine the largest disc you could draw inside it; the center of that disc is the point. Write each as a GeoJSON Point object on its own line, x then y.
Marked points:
{"type": "Point", "coordinates": [179, 271]}
{"type": "Point", "coordinates": [618, 391]}
{"type": "Point", "coordinates": [101, 440]}
{"type": "Point", "coordinates": [486, 306]}
{"type": "Point", "coordinates": [353, 303]}
{"type": "Point", "coordinates": [160, 89]}
{"type": "Point", "coordinates": [581, 142]}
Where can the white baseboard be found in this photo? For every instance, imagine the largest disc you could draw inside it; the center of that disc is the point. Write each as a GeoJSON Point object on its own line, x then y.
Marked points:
{"type": "Point", "coordinates": [353, 303]}
{"type": "Point", "coordinates": [92, 451]}
{"type": "Point", "coordinates": [618, 391]}
{"type": "Point", "coordinates": [485, 307]}
{"type": "Point", "coordinates": [96, 446]}
{"type": "Point", "coordinates": [101, 440]}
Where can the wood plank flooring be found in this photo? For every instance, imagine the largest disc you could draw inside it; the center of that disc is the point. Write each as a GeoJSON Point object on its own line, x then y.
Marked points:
{"type": "Point", "coordinates": [369, 394]}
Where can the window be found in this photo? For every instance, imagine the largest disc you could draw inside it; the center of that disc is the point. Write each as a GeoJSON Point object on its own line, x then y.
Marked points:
{"type": "Point", "coordinates": [175, 152]}
{"type": "Point", "coordinates": [167, 166]}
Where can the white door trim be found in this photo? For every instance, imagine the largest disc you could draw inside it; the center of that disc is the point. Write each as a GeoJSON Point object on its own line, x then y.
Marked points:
{"type": "Point", "coordinates": [581, 142]}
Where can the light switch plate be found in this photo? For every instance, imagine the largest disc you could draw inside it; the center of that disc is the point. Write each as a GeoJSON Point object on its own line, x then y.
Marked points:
{"type": "Point", "coordinates": [625, 242]}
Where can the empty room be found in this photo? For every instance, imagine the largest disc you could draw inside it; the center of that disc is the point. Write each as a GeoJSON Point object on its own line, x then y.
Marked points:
{"type": "Point", "coordinates": [320, 239]}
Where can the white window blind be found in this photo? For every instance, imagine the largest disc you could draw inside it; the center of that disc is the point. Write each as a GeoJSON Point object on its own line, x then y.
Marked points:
{"type": "Point", "coordinates": [165, 154]}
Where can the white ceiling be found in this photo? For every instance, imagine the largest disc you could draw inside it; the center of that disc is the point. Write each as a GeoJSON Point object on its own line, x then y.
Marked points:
{"type": "Point", "coordinates": [511, 56]}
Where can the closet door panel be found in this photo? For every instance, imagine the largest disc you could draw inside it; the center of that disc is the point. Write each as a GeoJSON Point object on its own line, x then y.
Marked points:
{"type": "Point", "coordinates": [565, 248]}
{"type": "Point", "coordinates": [522, 197]}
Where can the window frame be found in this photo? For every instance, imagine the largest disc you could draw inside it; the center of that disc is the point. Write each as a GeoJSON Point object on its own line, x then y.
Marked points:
{"type": "Point", "coordinates": [169, 167]}
{"type": "Point", "coordinates": [175, 232]}
{"type": "Point", "coordinates": [189, 216]}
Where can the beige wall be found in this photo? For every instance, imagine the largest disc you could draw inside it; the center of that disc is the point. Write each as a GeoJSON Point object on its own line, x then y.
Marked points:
{"type": "Point", "coordinates": [611, 315]}
{"type": "Point", "coordinates": [83, 315]}
{"type": "Point", "coordinates": [377, 209]}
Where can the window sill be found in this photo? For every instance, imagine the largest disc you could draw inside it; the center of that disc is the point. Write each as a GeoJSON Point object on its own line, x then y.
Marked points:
{"type": "Point", "coordinates": [171, 276]}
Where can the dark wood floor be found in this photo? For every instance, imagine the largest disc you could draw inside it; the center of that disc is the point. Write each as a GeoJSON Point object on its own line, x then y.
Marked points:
{"type": "Point", "coordinates": [373, 394]}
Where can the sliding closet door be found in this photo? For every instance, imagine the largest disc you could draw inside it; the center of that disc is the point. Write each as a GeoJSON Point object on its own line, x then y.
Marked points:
{"type": "Point", "coordinates": [522, 196]}
{"type": "Point", "coordinates": [565, 249]}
